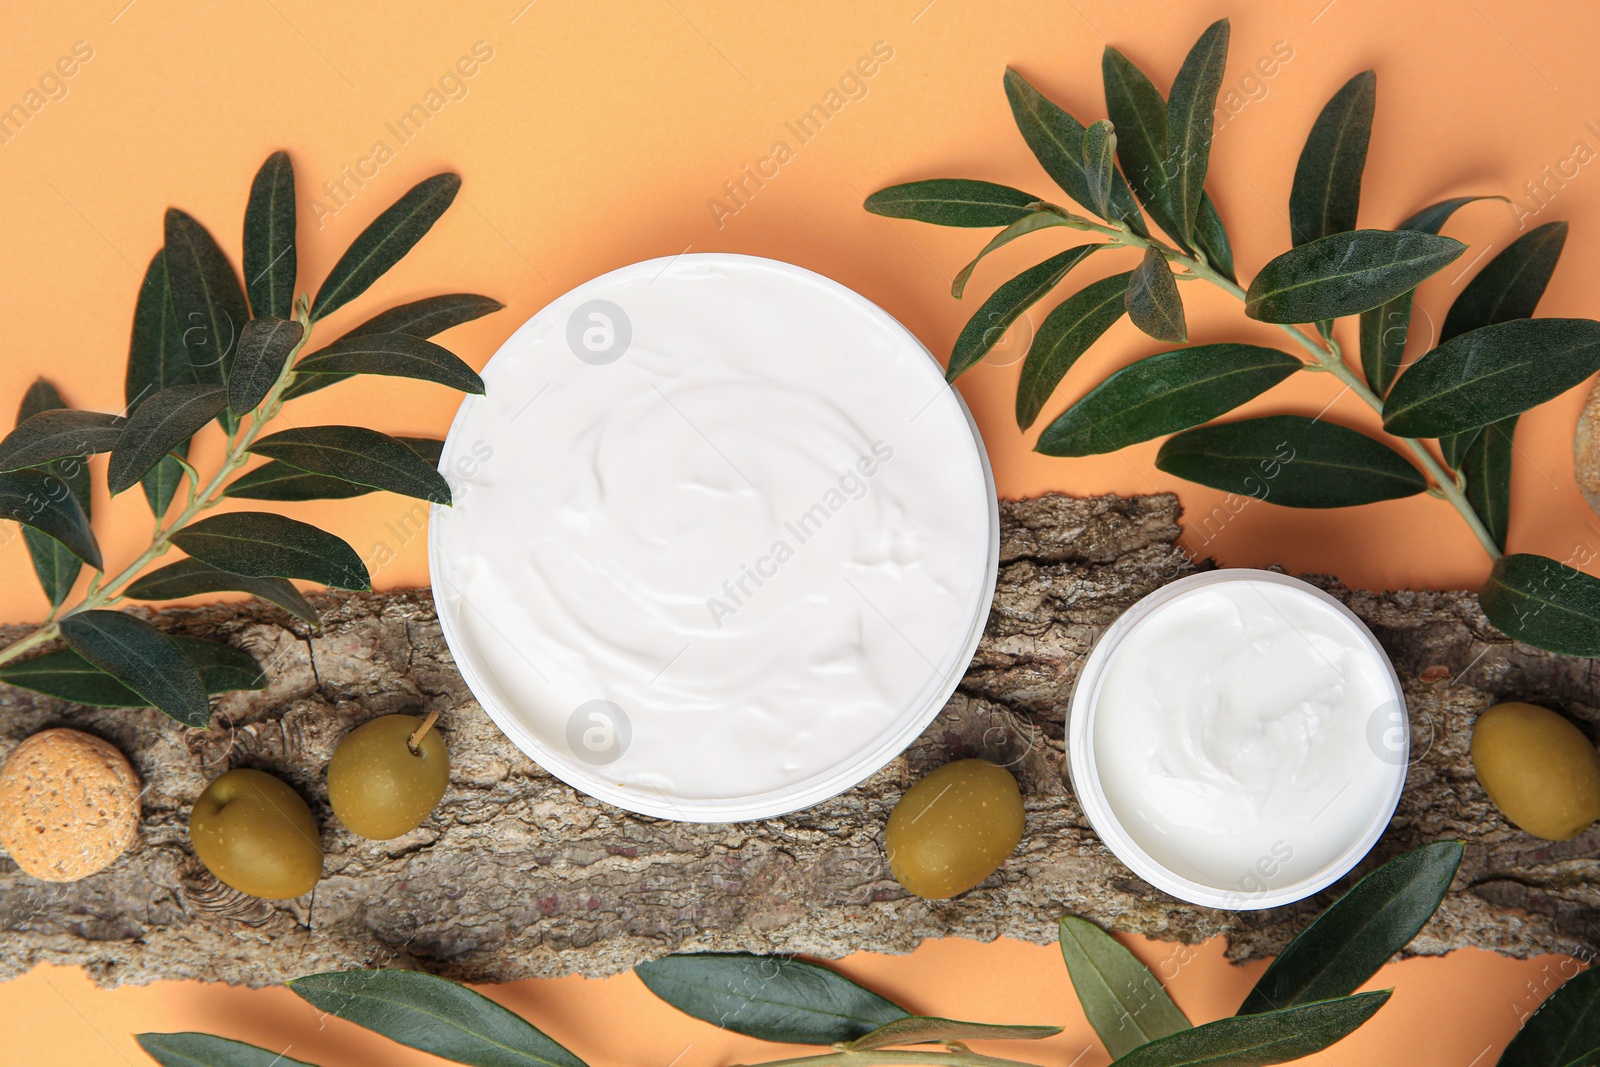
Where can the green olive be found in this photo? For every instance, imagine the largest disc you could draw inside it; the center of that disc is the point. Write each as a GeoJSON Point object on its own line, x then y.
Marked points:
{"type": "Point", "coordinates": [954, 828]}
{"type": "Point", "coordinates": [255, 833]}
{"type": "Point", "coordinates": [378, 787]}
{"type": "Point", "coordinates": [1539, 769]}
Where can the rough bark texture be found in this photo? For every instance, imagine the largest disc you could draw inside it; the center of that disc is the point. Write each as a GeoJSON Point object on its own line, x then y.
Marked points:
{"type": "Point", "coordinates": [516, 875]}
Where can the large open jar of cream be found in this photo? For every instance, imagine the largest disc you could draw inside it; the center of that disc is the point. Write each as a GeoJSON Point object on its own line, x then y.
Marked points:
{"type": "Point", "coordinates": [1238, 738]}
{"type": "Point", "coordinates": [723, 540]}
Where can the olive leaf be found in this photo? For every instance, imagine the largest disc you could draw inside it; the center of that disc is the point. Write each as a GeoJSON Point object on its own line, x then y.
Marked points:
{"type": "Point", "coordinates": [1291, 460]}
{"type": "Point", "coordinates": [1067, 332]}
{"type": "Point", "coordinates": [1326, 194]}
{"type": "Point", "coordinates": [434, 1015]}
{"type": "Point", "coordinates": [41, 500]}
{"type": "Point", "coordinates": [1359, 932]}
{"type": "Point", "coordinates": [259, 544]}
{"type": "Point", "coordinates": [1545, 603]}
{"type": "Point", "coordinates": [164, 421]}
{"type": "Point", "coordinates": [1345, 273]}
{"type": "Point", "coordinates": [1121, 998]}
{"type": "Point", "coordinates": [419, 318]}
{"type": "Point", "coordinates": [1152, 299]}
{"type": "Point", "coordinates": [209, 304]}
{"type": "Point", "coordinates": [265, 346]}
{"type": "Point", "coordinates": [1211, 239]}
{"type": "Point", "coordinates": [1006, 304]}
{"type": "Point", "coordinates": [1565, 1030]}
{"type": "Point", "coordinates": [66, 675]}
{"type": "Point", "coordinates": [1056, 139]}
{"type": "Point", "coordinates": [157, 359]}
{"type": "Point", "coordinates": [1509, 287]}
{"type": "Point", "coordinates": [207, 1050]}
{"type": "Point", "coordinates": [1191, 113]}
{"type": "Point", "coordinates": [280, 481]}
{"type": "Point", "coordinates": [775, 998]}
{"type": "Point", "coordinates": [385, 241]}
{"type": "Point", "coordinates": [1385, 327]}
{"type": "Point", "coordinates": [1100, 165]}
{"type": "Point", "coordinates": [270, 261]}
{"type": "Point", "coordinates": [395, 354]}
{"type": "Point", "coordinates": [142, 658]}
{"type": "Point", "coordinates": [56, 567]}
{"type": "Point", "coordinates": [59, 433]}
{"type": "Point", "coordinates": [952, 202]}
{"type": "Point", "coordinates": [927, 1029]}
{"type": "Point", "coordinates": [1139, 112]}
{"type": "Point", "coordinates": [191, 577]}
{"type": "Point", "coordinates": [1256, 1040]}
{"type": "Point", "coordinates": [1486, 469]}
{"type": "Point", "coordinates": [1037, 220]}
{"type": "Point", "coordinates": [356, 454]}
{"type": "Point", "coordinates": [1490, 374]}
{"type": "Point", "coordinates": [1165, 393]}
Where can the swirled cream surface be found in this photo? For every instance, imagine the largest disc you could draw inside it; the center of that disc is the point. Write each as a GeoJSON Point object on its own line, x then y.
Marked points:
{"type": "Point", "coordinates": [1239, 735]}
{"type": "Point", "coordinates": [725, 540]}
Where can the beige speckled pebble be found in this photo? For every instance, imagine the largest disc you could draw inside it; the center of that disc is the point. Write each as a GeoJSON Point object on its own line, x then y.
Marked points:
{"type": "Point", "coordinates": [69, 805]}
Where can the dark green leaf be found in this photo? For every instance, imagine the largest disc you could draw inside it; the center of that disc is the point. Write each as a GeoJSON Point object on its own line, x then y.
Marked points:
{"type": "Point", "coordinates": [1191, 112]}
{"type": "Point", "coordinates": [1153, 302]}
{"type": "Point", "coordinates": [1038, 220]}
{"type": "Point", "coordinates": [1164, 393]}
{"type": "Point", "coordinates": [1139, 112]}
{"type": "Point", "coordinates": [1211, 238]}
{"type": "Point", "coordinates": [1291, 460]}
{"type": "Point", "coordinates": [60, 434]}
{"type": "Point", "coordinates": [434, 1015]}
{"type": "Point", "coordinates": [1068, 331]}
{"type": "Point", "coordinates": [925, 1029]}
{"type": "Point", "coordinates": [206, 296]}
{"type": "Point", "coordinates": [56, 567]}
{"type": "Point", "coordinates": [190, 577]}
{"type": "Point", "coordinates": [420, 318]}
{"type": "Point", "coordinates": [984, 330]}
{"type": "Point", "coordinates": [1491, 374]}
{"type": "Point", "coordinates": [206, 1050]}
{"type": "Point", "coordinates": [45, 502]}
{"type": "Point", "coordinates": [775, 998]}
{"type": "Point", "coordinates": [1384, 328]}
{"type": "Point", "coordinates": [1510, 286]}
{"type": "Point", "coordinates": [1588, 1059]}
{"type": "Point", "coordinates": [157, 359]}
{"type": "Point", "coordinates": [1454, 447]}
{"type": "Point", "coordinates": [1358, 934]}
{"type": "Point", "coordinates": [357, 454]}
{"type": "Point", "coordinates": [1345, 273]}
{"type": "Point", "coordinates": [1486, 467]}
{"type": "Point", "coordinates": [1100, 165]}
{"type": "Point", "coordinates": [265, 346]}
{"type": "Point", "coordinates": [382, 244]}
{"type": "Point", "coordinates": [1327, 180]}
{"type": "Point", "coordinates": [1565, 1029]}
{"type": "Point", "coordinates": [952, 202]}
{"type": "Point", "coordinates": [269, 251]}
{"type": "Point", "coordinates": [1544, 603]}
{"type": "Point", "coordinates": [1121, 998]}
{"type": "Point", "coordinates": [1056, 139]}
{"type": "Point", "coordinates": [396, 354]}
{"type": "Point", "coordinates": [280, 481]}
{"type": "Point", "coordinates": [1257, 1040]}
{"type": "Point", "coordinates": [163, 422]}
{"type": "Point", "coordinates": [258, 544]}
{"type": "Point", "coordinates": [142, 658]}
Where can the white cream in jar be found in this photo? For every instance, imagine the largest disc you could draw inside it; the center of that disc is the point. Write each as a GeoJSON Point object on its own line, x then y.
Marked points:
{"type": "Point", "coordinates": [1239, 739]}
{"type": "Point", "coordinates": [727, 543]}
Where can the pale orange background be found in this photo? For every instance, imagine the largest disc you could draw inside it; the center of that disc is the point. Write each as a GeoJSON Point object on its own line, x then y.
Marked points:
{"type": "Point", "coordinates": [596, 136]}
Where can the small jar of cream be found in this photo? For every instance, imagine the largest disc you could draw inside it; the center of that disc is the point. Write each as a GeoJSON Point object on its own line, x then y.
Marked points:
{"type": "Point", "coordinates": [1238, 738]}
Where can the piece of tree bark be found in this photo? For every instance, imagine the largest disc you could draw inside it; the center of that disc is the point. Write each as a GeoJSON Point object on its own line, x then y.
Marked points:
{"type": "Point", "coordinates": [516, 875]}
